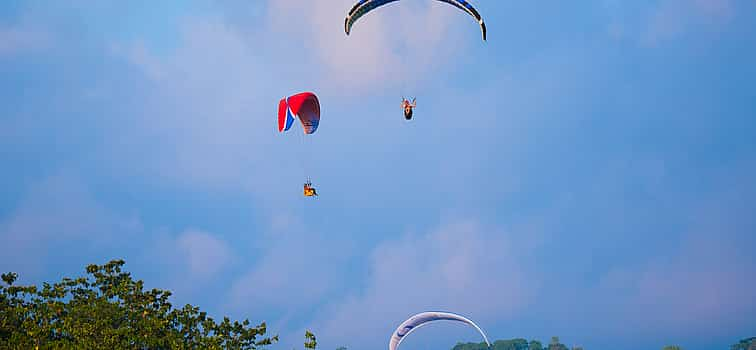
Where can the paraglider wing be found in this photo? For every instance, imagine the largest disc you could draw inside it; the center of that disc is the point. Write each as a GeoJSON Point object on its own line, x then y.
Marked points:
{"type": "Point", "coordinates": [304, 106]}
{"type": "Point", "coordinates": [362, 7]}
{"type": "Point", "coordinates": [424, 318]}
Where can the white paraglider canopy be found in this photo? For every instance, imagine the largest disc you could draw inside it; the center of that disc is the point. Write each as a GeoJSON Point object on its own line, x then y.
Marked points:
{"type": "Point", "coordinates": [424, 318]}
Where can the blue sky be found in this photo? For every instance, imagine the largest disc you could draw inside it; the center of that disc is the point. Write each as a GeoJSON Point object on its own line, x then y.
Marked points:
{"type": "Point", "coordinates": [587, 172]}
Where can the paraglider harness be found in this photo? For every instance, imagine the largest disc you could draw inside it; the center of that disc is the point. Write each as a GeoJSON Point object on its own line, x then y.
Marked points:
{"type": "Point", "coordinates": [408, 107]}
{"type": "Point", "coordinates": [309, 191]}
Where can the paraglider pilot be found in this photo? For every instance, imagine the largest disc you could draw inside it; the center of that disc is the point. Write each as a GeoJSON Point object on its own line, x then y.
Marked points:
{"type": "Point", "coordinates": [408, 107]}
{"type": "Point", "coordinates": [309, 191]}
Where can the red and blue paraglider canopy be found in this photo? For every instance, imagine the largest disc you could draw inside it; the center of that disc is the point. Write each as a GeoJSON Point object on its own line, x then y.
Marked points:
{"type": "Point", "coordinates": [303, 106]}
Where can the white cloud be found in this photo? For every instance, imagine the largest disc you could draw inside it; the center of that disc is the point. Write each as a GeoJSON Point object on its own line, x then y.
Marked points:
{"type": "Point", "coordinates": [671, 19]}
{"type": "Point", "coordinates": [193, 263]}
{"type": "Point", "coordinates": [298, 270]}
{"type": "Point", "coordinates": [61, 213]}
{"type": "Point", "coordinates": [715, 9]}
{"type": "Point", "coordinates": [203, 120]}
{"type": "Point", "coordinates": [654, 23]}
{"type": "Point", "coordinates": [703, 286]}
{"type": "Point", "coordinates": [17, 40]}
{"type": "Point", "coordinates": [205, 254]}
{"type": "Point", "coordinates": [385, 47]}
{"type": "Point", "coordinates": [58, 211]}
{"type": "Point", "coordinates": [702, 283]}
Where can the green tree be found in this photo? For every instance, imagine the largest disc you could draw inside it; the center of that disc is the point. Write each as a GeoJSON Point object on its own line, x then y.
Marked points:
{"type": "Point", "coordinates": [556, 345]}
{"type": "Point", "coordinates": [110, 310]}
{"type": "Point", "coordinates": [745, 344]}
{"type": "Point", "coordinates": [515, 344]}
{"type": "Point", "coordinates": [470, 346]}
{"type": "Point", "coordinates": [310, 341]}
{"type": "Point", "coordinates": [535, 345]}
{"type": "Point", "coordinates": [672, 347]}
{"type": "Point", "coordinates": [511, 344]}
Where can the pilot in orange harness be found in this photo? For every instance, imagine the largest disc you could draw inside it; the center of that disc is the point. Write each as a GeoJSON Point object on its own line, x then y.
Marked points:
{"type": "Point", "coordinates": [309, 191]}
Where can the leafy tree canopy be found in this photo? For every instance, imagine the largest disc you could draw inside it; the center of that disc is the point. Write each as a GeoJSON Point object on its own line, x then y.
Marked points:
{"type": "Point", "coordinates": [108, 309]}
{"type": "Point", "coordinates": [511, 344]}
{"type": "Point", "coordinates": [745, 344]}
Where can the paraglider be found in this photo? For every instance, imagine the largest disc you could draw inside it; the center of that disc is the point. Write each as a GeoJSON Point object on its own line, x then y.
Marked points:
{"type": "Point", "coordinates": [309, 191]}
{"type": "Point", "coordinates": [424, 318]}
{"type": "Point", "coordinates": [362, 7]}
{"type": "Point", "coordinates": [408, 107]}
{"type": "Point", "coordinates": [304, 107]}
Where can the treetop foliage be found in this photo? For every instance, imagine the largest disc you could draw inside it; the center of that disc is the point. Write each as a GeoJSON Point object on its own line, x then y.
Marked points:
{"type": "Point", "coordinates": [108, 309]}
